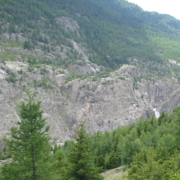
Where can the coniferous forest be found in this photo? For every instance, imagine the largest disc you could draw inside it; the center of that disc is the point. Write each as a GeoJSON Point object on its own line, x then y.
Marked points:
{"type": "Point", "coordinates": [110, 33]}
{"type": "Point", "coordinates": [113, 32]}
{"type": "Point", "coordinates": [149, 149]}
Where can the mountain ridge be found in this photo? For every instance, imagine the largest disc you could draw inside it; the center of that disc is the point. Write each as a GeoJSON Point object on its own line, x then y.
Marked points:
{"type": "Point", "coordinates": [104, 63]}
{"type": "Point", "coordinates": [106, 28]}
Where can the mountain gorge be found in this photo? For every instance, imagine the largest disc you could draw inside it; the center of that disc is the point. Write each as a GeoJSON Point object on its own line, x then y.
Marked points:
{"type": "Point", "coordinates": [103, 63]}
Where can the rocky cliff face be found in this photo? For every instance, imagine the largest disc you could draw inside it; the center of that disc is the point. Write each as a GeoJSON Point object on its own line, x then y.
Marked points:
{"type": "Point", "coordinates": [172, 102]}
{"type": "Point", "coordinates": [118, 99]}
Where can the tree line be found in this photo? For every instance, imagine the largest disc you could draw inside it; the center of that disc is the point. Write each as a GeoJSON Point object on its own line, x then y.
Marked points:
{"type": "Point", "coordinates": [31, 155]}
{"type": "Point", "coordinates": [150, 149]}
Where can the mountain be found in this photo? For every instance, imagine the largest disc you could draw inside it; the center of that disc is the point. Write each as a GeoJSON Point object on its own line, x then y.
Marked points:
{"type": "Point", "coordinates": [113, 31]}
{"type": "Point", "coordinates": [103, 63]}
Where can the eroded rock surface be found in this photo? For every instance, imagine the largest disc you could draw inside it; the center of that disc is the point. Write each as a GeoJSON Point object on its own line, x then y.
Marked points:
{"type": "Point", "coordinates": [101, 104]}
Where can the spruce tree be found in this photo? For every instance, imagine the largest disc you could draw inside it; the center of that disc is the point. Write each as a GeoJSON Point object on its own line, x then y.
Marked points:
{"type": "Point", "coordinates": [60, 166]}
{"type": "Point", "coordinates": [28, 144]}
{"type": "Point", "coordinates": [100, 162]}
{"type": "Point", "coordinates": [113, 161]}
{"type": "Point", "coordinates": [81, 159]}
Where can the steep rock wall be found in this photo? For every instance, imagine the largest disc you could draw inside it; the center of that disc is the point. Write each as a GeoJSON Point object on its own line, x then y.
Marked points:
{"type": "Point", "coordinates": [105, 103]}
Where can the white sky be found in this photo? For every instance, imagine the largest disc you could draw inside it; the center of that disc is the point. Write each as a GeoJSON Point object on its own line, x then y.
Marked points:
{"type": "Point", "coordinates": [171, 7]}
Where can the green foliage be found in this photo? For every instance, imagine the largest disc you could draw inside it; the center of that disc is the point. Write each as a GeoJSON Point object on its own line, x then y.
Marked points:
{"type": "Point", "coordinates": [8, 55]}
{"type": "Point", "coordinates": [30, 68]}
{"type": "Point", "coordinates": [74, 75]}
{"type": "Point", "coordinates": [11, 29]}
{"type": "Point", "coordinates": [60, 166]}
{"type": "Point", "coordinates": [37, 62]}
{"type": "Point", "coordinates": [44, 83]}
{"type": "Point", "coordinates": [11, 78]}
{"type": "Point", "coordinates": [27, 45]}
{"type": "Point", "coordinates": [175, 176]}
{"type": "Point", "coordinates": [113, 160]}
{"type": "Point", "coordinates": [28, 144]}
{"type": "Point", "coordinates": [43, 71]}
{"type": "Point", "coordinates": [1, 156]}
{"type": "Point", "coordinates": [32, 61]}
{"type": "Point", "coordinates": [20, 71]}
{"type": "Point", "coordinates": [9, 43]}
{"type": "Point", "coordinates": [153, 163]}
{"type": "Point", "coordinates": [100, 162]}
{"type": "Point", "coordinates": [113, 32]}
{"type": "Point", "coordinates": [81, 159]}
{"type": "Point", "coordinates": [100, 75]}
{"type": "Point", "coordinates": [1, 176]}
{"type": "Point", "coordinates": [150, 148]}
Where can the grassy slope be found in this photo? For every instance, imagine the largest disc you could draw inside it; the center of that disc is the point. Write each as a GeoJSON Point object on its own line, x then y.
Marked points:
{"type": "Point", "coordinates": [115, 174]}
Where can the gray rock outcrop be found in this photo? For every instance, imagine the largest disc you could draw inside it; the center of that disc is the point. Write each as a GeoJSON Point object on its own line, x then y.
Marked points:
{"type": "Point", "coordinates": [100, 103]}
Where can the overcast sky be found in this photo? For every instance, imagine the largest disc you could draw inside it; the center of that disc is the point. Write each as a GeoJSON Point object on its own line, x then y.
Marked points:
{"type": "Point", "coordinates": [171, 7]}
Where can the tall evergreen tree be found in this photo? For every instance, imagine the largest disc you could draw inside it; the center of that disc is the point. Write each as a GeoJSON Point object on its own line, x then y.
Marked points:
{"type": "Point", "coordinates": [113, 160]}
{"type": "Point", "coordinates": [81, 159]}
{"type": "Point", "coordinates": [28, 144]}
{"type": "Point", "coordinates": [100, 162]}
{"type": "Point", "coordinates": [60, 166]}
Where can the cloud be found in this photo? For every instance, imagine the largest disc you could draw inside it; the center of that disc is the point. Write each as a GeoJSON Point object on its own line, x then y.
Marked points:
{"type": "Point", "coordinates": [161, 6]}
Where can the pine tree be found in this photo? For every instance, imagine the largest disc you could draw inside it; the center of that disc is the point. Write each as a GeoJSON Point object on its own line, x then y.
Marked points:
{"type": "Point", "coordinates": [27, 45]}
{"type": "Point", "coordinates": [81, 159]}
{"type": "Point", "coordinates": [60, 166]}
{"type": "Point", "coordinates": [100, 162]}
{"type": "Point", "coordinates": [28, 144]}
{"type": "Point", "coordinates": [113, 161]}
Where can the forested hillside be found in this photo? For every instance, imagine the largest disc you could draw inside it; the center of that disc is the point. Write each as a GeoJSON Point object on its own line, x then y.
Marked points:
{"type": "Point", "coordinates": [113, 32]}
{"type": "Point", "coordinates": [96, 65]}
{"type": "Point", "coordinates": [149, 149]}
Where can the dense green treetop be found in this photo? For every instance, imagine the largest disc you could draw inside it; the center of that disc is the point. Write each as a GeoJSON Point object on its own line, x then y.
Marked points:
{"type": "Point", "coordinates": [28, 144]}
{"type": "Point", "coordinates": [150, 148]}
{"type": "Point", "coordinates": [81, 159]}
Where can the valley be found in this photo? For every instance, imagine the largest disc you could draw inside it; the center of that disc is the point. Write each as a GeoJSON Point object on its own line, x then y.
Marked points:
{"type": "Point", "coordinates": [108, 65]}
